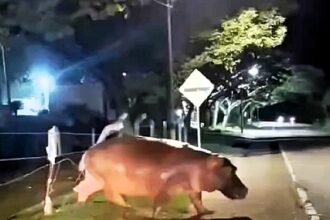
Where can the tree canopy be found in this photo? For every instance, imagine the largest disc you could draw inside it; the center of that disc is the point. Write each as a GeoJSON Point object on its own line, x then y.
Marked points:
{"type": "Point", "coordinates": [54, 19]}
{"type": "Point", "coordinates": [247, 32]}
{"type": "Point", "coordinates": [306, 82]}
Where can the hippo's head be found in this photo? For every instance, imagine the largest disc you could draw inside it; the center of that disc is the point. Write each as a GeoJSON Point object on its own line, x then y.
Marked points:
{"type": "Point", "coordinates": [222, 176]}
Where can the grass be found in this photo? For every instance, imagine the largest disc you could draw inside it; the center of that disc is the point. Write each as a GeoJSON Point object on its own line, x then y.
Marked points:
{"type": "Point", "coordinates": [99, 209]}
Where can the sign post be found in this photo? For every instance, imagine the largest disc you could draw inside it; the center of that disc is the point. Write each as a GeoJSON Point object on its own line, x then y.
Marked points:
{"type": "Point", "coordinates": [196, 89]}
{"type": "Point", "coordinates": [199, 141]}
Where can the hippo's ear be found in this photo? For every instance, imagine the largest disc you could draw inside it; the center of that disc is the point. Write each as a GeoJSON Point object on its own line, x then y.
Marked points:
{"type": "Point", "coordinates": [212, 162]}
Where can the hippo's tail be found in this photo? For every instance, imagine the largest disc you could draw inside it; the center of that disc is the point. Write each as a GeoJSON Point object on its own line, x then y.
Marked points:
{"type": "Point", "coordinates": [81, 168]}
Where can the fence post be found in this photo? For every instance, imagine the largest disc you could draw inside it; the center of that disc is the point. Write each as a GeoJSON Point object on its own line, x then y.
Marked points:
{"type": "Point", "coordinates": [152, 128]}
{"type": "Point", "coordinates": [53, 150]}
{"type": "Point", "coordinates": [164, 129]}
{"type": "Point", "coordinates": [137, 123]}
{"type": "Point", "coordinates": [180, 131]}
{"type": "Point", "coordinates": [185, 133]}
{"type": "Point", "coordinates": [116, 126]}
{"type": "Point", "coordinates": [93, 136]}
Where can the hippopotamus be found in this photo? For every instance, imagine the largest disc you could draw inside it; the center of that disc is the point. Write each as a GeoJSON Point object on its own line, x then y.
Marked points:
{"type": "Point", "coordinates": [136, 166]}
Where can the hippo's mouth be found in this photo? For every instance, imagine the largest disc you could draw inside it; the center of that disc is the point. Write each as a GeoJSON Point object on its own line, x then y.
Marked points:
{"type": "Point", "coordinates": [237, 194]}
{"type": "Point", "coordinates": [238, 197]}
{"type": "Point", "coordinates": [241, 193]}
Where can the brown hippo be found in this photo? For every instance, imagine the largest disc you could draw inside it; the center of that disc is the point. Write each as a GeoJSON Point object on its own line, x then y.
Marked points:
{"type": "Point", "coordinates": [135, 166]}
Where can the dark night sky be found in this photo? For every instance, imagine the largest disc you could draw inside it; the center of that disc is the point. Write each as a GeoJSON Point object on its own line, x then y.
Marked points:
{"type": "Point", "coordinates": [308, 37]}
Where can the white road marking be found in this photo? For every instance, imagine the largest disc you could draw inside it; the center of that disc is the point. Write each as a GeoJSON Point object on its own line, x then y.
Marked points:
{"type": "Point", "coordinates": [302, 193]}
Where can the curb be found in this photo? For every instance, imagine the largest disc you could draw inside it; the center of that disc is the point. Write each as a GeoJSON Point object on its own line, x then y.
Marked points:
{"type": "Point", "coordinates": [302, 193]}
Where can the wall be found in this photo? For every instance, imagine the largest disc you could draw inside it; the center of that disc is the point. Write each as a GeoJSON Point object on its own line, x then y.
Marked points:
{"type": "Point", "coordinates": [89, 94]}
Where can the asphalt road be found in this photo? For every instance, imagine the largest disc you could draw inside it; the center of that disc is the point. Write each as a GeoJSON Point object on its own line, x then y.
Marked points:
{"type": "Point", "coordinates": [271, 193]}
{"type": "Point", "coordinates": [311, 165]}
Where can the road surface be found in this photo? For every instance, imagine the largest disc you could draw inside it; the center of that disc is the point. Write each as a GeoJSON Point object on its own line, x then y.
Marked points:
{"type": "Point", "coordinates": [271, 195]}
{"type": "Point", "coordinates": [312, 169]}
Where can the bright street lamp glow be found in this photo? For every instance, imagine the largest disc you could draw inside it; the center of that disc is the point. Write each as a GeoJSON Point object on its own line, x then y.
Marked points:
{"type": "Point", "coordinates": [124, 74]}
{"type": "Point", "coordinates": [254, 70]}
{"type": "Point", "coordinates": [45, 81]}
{"type": "Point", "coordinates": [280, 119]}
{"type": "Point", "coordinates": [292, 120]}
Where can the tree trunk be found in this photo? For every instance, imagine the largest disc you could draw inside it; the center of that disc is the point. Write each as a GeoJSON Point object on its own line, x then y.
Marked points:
{"type": "Point", "coordinates": [112, 87]}
{"type": "Point", "coordinates": [207, 117]}
{"type": "Point", "coordinates": [215, 114]}
{"type": "Point", "coordinates": [225, 120]}
{"type": "Point", "coordinates": [188, 117]}
{"type": "Point", "coordinates": [231, 106]}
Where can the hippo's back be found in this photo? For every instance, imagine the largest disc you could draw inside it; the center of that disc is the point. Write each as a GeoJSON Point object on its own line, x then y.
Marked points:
{"type": "Point", "coordinates": [134, 166]}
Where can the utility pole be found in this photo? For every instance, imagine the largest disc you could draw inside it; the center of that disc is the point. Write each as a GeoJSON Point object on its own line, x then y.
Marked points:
{"type": "Point", "coordinates": [170, 112]}
{"type": "Point", "coordinates": [5, 73]}
{"type": "Point", "coordinates": [171, 71]}
{"type": "Point", "coordinates": [241, 111]}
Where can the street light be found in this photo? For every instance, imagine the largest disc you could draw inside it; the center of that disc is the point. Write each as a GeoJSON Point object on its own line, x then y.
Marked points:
{"type": "Point", "coordinates": [46, 82]}
{"type": "Point", "coordinates": [169, 6]}
{"type": "Point", "coordinates": [292, 120]}
{"type": "Point", "coordinates": [5, 73]}
{"type": "Point", "coordinates": [280, 119]}
{"type": "Point", "coordinates": [254, 70]}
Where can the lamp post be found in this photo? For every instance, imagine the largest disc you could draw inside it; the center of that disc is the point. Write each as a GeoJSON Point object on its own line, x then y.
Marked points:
{"type": "Point", "coordinates": [252, 71]}
{"type": "Point", "coordinates": [5, 73]}
{"type": "Point", "coordinates": [169, 6]}
{"type": "Point", "coordinates": [241, 110]}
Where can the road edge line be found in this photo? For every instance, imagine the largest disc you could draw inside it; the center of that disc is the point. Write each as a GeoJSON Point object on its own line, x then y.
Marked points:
{"type": "Point", "coordinates": [302, 193]}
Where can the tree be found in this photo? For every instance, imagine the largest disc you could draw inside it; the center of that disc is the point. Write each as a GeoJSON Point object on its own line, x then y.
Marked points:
{"type": "Point", "coordinates": [250, 30]}
{"type": "Point", "coordinates": [250, 91]}
{"type": "Point", "coordinates": [15, 106]}
{"type": "Point", "coordinates": [145, 93]}
{"type": "Point", "coordinates": [55, 19]}
{"type": "Point", "coordinates": [306, 81]}
{"type": "Point", "coordinates": [242, 42]}
{"type": "Point", "coordinates": [49, 23]}
{"type": "Point", "coordinates": [306, 87]}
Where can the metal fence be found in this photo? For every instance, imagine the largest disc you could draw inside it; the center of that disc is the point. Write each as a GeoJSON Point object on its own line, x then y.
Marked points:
{"type": "Point", "coordinates": [32, 144]}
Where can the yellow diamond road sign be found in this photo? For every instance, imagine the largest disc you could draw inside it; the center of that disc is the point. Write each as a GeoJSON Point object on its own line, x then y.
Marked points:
{"type": "Point", "coordinates": [196, 88]}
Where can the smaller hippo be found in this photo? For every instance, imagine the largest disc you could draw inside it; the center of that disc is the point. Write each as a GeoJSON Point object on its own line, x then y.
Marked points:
{"type": "Point", "coordinates": [134, 166]}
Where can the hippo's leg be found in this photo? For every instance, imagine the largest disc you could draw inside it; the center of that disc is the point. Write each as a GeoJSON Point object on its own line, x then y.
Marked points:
{"type": "Point", "coordinates": [159, 201]}
{"type": "Point", "coordinates": [196, 200]}
{"type": "Point", "coordinates": [114, 197]}
{"type": "Point", "coordinates": [87, 187]}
